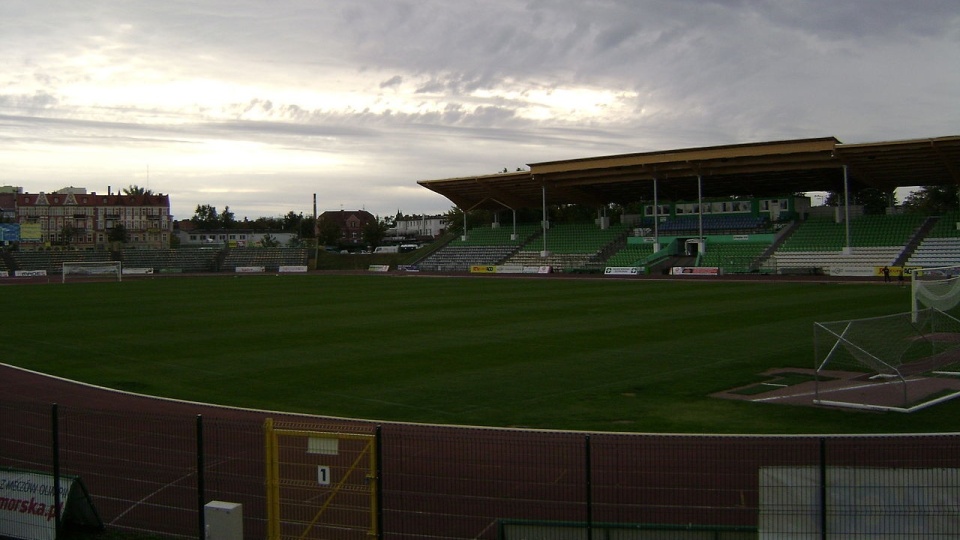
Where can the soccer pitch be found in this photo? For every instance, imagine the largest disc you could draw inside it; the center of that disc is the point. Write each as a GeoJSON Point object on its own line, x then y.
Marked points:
{"type": "Point", "coordinates": [582, 354]}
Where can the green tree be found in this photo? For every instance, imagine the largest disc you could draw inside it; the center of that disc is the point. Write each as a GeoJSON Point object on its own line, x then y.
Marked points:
{"type": "Point", "coordinates": [475, 218]}
{"type": "Point", "coordinates": [291, 221]}
{"type": "Point", "coordinates": [269, 241]}
{"type": "Point", "coordinates": [119, 234]}
{"type": "Point", "coordinates": [295, 242]}
{"type": "Point", "coordinates": [205, 217]}
{"type": "Point", "coordinates": [227, 219]}
{"type": "Point", "coordinates": [303, 227]}
{"type": "Point", "coordinates": [67, 233]}
{"type": "Point", "coordinates": [935, 200]}
{"type": "Point", "coordinates": [267, 223]}
{"type": "Point", "coordinates": [873, 200]}
{"type": "Point", "coordinates": [134, 189]}
{"type": "Point", "coordinates": [307, 228]}
{"type": "Point", "coordinates": [573, 213]}
{"type": "Point", "coordinates": [328, 232]}
{"type": "Point", "coordinates": [374, 232]}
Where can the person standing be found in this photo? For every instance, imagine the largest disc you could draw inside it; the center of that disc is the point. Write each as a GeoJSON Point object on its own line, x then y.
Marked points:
{"type": "Point", "coordinates": [886, 273]}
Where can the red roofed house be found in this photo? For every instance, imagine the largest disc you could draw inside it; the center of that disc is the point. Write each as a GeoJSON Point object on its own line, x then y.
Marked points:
{"type": "Point", "coordinates": [350, 222]}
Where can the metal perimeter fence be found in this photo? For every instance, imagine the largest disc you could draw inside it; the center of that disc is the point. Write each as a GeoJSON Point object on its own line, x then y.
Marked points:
{"type": "Point", "coordinates": [314, 477]}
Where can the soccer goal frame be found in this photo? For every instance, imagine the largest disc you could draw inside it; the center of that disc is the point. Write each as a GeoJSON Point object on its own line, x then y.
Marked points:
{"type": "Point", "coordinates": [871, 363]}
{"type": "Point", "coordinates": [89, 269]}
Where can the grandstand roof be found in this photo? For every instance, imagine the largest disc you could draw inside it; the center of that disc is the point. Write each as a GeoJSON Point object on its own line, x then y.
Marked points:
{"type": "Point", "coordinates": [749, 170]}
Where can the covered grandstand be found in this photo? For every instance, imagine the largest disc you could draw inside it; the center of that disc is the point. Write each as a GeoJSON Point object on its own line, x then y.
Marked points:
{"type": "Point", "coordinates": [734, 207]}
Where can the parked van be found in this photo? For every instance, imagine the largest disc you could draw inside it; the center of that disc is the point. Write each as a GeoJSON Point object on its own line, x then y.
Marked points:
{"type": "Point", "coordinates": [387, 249]}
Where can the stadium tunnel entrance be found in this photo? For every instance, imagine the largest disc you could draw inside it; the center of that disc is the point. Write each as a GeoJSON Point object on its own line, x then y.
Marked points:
{"type": "Point", "coordinates": [691, 246]}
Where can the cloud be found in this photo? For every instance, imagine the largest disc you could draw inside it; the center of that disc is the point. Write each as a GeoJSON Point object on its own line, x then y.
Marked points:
{"type": "Point", "coordinates": [392, 82]}
{"type": "Point", "coordinates": [38, 101]}
{"type": "Point", "coordinates": [260, 104]}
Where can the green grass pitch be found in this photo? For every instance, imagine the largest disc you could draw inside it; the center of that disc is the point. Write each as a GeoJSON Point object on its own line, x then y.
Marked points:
{"type": "Point", "coordinates": [581, 354]}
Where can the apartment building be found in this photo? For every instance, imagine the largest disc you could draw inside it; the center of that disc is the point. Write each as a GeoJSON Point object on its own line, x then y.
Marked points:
{"type": "Point", "coordinates": [73, 218]}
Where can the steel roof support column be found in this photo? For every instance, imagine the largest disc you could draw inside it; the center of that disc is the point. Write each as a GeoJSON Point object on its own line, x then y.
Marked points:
{"type": "Point", "coordinates": [699, 212]}
{"type": "Point", "coordinates": [656, 218]}
{"type": "Point", "coordinates": [846, 208]}
{"type": "Point", "coordinates": [545, 223]}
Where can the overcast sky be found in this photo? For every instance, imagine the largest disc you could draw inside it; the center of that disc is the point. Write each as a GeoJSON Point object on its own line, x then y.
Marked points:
{"type": "Point", "coordinates": [257, 104]}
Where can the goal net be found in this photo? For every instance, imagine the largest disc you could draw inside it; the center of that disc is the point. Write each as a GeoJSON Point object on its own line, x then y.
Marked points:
{"type": "Point", "coordinates": [937, 287]}
{"type": "Point", "coordinates": [899, 361]}
{"type": "Point", "coordinates": [102, 270]}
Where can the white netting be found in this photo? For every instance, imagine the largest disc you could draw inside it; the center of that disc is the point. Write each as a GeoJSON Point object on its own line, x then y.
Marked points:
{"type": "Point", "coordinates": [100, 269]}
{"type": "Point", "coordinates": [890, 345]}
{"type": "Point", "coordinates": [888, 352]}
{"type": "Point", "coordinates": [937, 288]}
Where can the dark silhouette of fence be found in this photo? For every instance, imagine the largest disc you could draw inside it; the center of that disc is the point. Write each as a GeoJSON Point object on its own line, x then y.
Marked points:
{"type": "Point", "coordinates": [150, 465]}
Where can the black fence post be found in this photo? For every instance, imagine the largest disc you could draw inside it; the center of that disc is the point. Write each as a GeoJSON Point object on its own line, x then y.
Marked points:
{"type": "Point", "coordinates": [823, 488]}
{"type": "Point", "coordinates": [201, 496]}
{"type": "Point", "coordinates": [378, 447]}
{"type": "Point", "coordinates": [589, 486]}
{"type": "Point", "coordinates": [55, 445]}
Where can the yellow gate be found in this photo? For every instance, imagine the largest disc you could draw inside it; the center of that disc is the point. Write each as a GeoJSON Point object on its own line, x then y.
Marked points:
{"type": "Point", "coordinates": [320, 485]}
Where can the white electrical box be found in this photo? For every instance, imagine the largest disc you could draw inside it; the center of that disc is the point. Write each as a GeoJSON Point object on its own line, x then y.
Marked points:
{"type": "Point", "coordinates": [223, 520]}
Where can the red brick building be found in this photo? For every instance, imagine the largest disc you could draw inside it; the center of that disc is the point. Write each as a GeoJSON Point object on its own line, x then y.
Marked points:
{"type": "Point", "coordinates": [72, 217]}
{"type": "Point", "coordinates": [350, 223]}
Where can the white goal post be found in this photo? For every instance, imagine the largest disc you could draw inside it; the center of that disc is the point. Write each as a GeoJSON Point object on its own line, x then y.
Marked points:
{"type": "Point", "coordinates": [112, 270]}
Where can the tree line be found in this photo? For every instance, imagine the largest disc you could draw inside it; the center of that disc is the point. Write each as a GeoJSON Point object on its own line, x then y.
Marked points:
{"type": "Point", "coordinates": [206, 217]}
